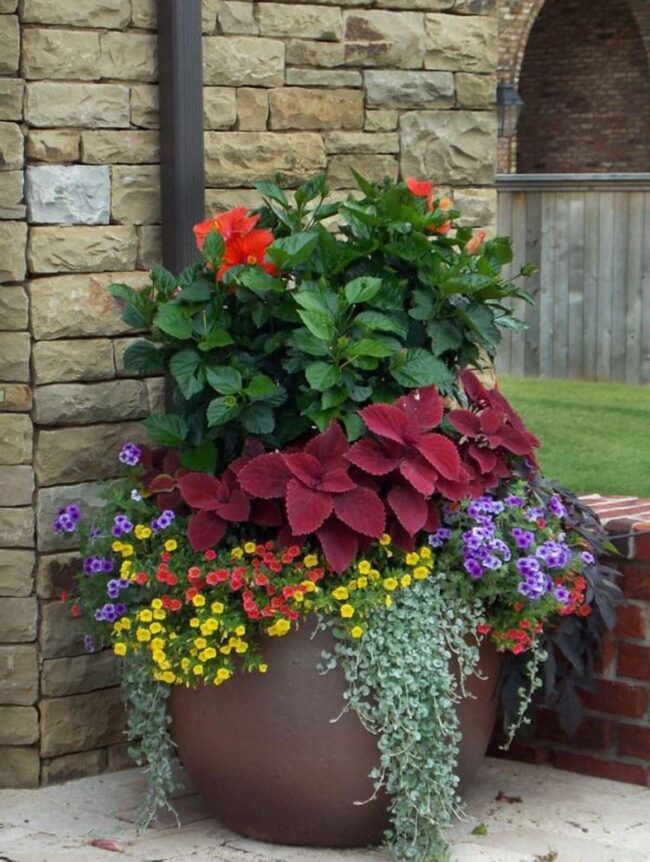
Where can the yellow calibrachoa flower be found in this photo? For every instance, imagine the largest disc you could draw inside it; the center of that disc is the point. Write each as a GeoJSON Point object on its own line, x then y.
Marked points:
{"type": "Point", "coordinates": [340, 593]}
{"type": "Point", "coordinates": [425, 553]}
{"type": "Point", "coordinates": [126, 550]}
{"type": "Point", "coordinates": [194, 623]}
{"type": "Point", "coordinates": [385, 540]}
{"type": "Point", "coordinates": [200, 643]}
{"type": "Point", "coordinates": [171, 545]}
{"type": "Point", "coordinates": [145, 616]}
{"type": "Point", "coordinates": [197, 670]}
{"type": "Point", "coordinates": [126, 623]}
{"type": "Point", "coordinates": [356, 631]}
{"type": "Point", "coordinates": [364, 567]}
{"type": "Point", "coordinates": [240, 630]}
{"type": "Point", "coordinates": [262, 668]}
{"type": "Point", "coordinates": [217, 607]}
{"type": "Point", "coordinates": [388, 601]}
{"type": "Point", "coordinates": [420, 573]}
{"type": "Point", "coordinates": [156, 603]}
{"type": "Point", "coordinates": [143, 635]}
{"type": "Point", "coordinates": [125, 568]}
{"type": "Point", "coordinates": [154, 628]}
{"type": "Point", "coordinates": [310, 561]}
{"type": "Point", "coordinates": [279, 628]}
{"type": "Point", "coordinates": [119, 649]}
{"type": "Point", "coordinates": [185, 664]}
{"type": "Point", "coordinates": [346, 611]}
{"type": "Point", "coordinates": [198, 601]}
{"type": "Point", "coordinates": [374, 574]}
{"type": "Point", "coordinates": [308, 586]}
{"type": "Point", "coordinates": [142, 532]}
{"type": "Point", "coordinates": [159, 614]}
{"type": "Point", "coordinates": [412, 559]}
{"type": "Point", "coordinates": [405, 581]}
{"type": "Point", "coordinates": [168, 677]}
{"type": "Point", "coordinates": [222, 675]}
{"type": "Point", "coordinates": [237, 553]}
{"type": "Point", "coordinates": [158, 656]}
{"type": "Point", "coordinates": [157, 643]}
{"type": "Point", "coordinates": [362, 582]}
{"type": "Point", "coordinates": [117, 547]}
{"type": "Point", "coordinates": [389, 584]}
{"type": "Point", "coordinates": [249, 547]}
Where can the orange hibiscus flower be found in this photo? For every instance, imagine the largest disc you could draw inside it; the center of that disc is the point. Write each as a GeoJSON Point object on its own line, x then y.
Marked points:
{"type": "Point", "coordinates": [248, 249]}
{"type": "Point", "coordinates": [421, 189]}
{"type": "Point", "coordinates": [235, 222]}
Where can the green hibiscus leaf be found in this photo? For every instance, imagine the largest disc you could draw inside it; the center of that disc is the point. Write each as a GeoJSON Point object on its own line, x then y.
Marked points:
{"type": "Point", "coordinates": [221, 410]}
{"type": "Point", "coordinates": [292, 250]}
{"type": "Point", "coordinates": [143, 357]}
{"type": "Point", "coordinates": [226, 380]}
{"type": "Point", "coordinates": [379, 322]}
{"type": "Point", "coordinates": [421, 368]}
{"type": "Point", "coordinates": [319, 323]}
{"type": "Point", "coordinates": [185, 367]}
{"type": "Point", "coordinates": [166, 429]}
{"type": "Point", "coordinates": [173, 320]}
{"type": "Point", "coordinates": [362, 289]}
{"type": "Point", "coordinates": [304, 341]}
{"type": "Point", "coordinates": [258, 419]}
{"type": "Point", "coordinates": [322, 376]}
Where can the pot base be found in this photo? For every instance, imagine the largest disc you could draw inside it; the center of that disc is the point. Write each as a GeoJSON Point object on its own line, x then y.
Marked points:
{"type": "Point", "coordinates": [271, 763]}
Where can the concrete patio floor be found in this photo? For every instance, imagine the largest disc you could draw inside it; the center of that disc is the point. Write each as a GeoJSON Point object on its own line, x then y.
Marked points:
{"type": "Point", "coordinates": [530, 814]}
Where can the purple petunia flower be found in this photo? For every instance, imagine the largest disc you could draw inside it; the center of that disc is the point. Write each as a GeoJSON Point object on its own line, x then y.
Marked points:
{"type": "Point", "coordinates": [524, 539]}
{"type": "Point", "coordinates": [556, 506]}
{"type": "Point", "coordinates": [441, 535]}
{"type": "Point", "coordinates": [121, 525]}
{"type": "Point", "coordinates": [67, 519]}
{"type": "Point", "coordinates": [130, 454]}
{"type": "Point", "coordinates": [528, 566]}
{"type": "Point", "coordinates": [163, 521]}
{"type": "Point", "coordinates": [513, 501]}
{"type": "Point", "coordinates": [562, 595]}
{"type": "Point", "coordinates": [534, 514]}
{"type": "Point", "coordinates": [556, 555]}
{"type": "Point", "coordinates": [588, 558]}
{"type": "Point", "coordinates": [473, 568]}
{"type": "Point", "coordinates": [136, 496]}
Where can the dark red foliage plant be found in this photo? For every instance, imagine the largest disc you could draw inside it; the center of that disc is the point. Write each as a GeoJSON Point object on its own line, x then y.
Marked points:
{"type": "Point", "coordinates": [393, 479]}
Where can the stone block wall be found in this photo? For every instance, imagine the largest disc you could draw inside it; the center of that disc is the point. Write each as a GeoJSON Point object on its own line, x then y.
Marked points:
{"type": "Point", "coordinates": [390, 87]}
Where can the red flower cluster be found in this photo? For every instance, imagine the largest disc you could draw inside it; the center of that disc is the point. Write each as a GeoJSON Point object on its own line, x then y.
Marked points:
{"type": "Point", "coordinates": [244, 244]}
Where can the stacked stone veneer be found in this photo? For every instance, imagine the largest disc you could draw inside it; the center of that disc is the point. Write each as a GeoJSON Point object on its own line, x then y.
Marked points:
{"type": "Point", "coordinates": [404, 87]}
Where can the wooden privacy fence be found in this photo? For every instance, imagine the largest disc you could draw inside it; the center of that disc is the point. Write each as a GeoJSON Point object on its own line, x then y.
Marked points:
{"type": "Point", "coordinates": [589, 237]}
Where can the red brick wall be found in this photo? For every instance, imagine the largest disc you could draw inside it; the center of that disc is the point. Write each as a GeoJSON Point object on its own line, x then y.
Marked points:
{"type": "Point", "coordinates": [582, 68]}
{"type": "Point", "coordinates": [613, 740]}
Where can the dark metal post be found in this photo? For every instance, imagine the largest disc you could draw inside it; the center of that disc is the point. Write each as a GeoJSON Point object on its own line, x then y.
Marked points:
{"type": "Point", "coordinates": [181, 129]}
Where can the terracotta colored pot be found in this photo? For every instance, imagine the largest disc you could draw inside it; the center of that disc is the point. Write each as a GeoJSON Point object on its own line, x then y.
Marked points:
{"type": "Point", "coordinates": [269, 763]}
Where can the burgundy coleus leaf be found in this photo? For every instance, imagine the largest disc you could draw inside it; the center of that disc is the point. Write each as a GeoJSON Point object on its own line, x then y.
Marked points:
{"type": "Point", "coordinates": [307, 509]}
{"type": "Point", "coordinates": [340, 544]}
{"type": "Point", "coordinates": [419, 474]}
{"type": "Point", "coordinates": [426, 406]}
{"type": "Point", "coordinates": [409, 507]}
{"type": "Point", "coordinates": [387, 420]}
{"type": "Point", "coordinates": [205, 530]}
{"type": "Point", "coordinates": [233, 505]}
{"type": "Point", "coordinates": [485, 458]}
{"type": "Point", "coordinates": [491, 421]}
{"type": "Point", "coordinates": [161, 483]}
{"type": "Point", "coordinates": [330, 447]}
{"type": "Point", "coordinates": [433, 517]}
{"type": "Point", "coordinates": [265, 476]}
{"type": "Point", "coordinates": [200, 490]}
{"type": "Point", "coordinates": [362, 511]}
{"type": "Point", "coordinates": [312, 473]}
{"type": "Point", "coordinates": [266, 513]}
{"type": "Point", "coordinates": [373, 457]}
{"type": "Point", "coordinates": [476, 392]}
{"type": "Point", "coordinates": [251, 449]}
{"type": "Point", "coordinates": [169, 499]}
{"type": "Point", "coordinates": [441, 453]}
{"type": "Point", "coordinates": [465, 422]}
{"type": "Point", "coordinates": [401, 539]}
{"type": "Point", "coordinates": [513, 441]}
{"type": "Point", "coordinates": [455, 491]}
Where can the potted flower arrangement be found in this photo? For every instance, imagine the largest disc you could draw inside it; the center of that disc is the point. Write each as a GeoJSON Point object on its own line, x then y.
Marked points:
{"type": "Point", "coordinates": [337, 543]}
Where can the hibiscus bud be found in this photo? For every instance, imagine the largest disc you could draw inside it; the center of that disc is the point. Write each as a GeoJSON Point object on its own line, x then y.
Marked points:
{"type": "Point", "coordinates": [475, 243]}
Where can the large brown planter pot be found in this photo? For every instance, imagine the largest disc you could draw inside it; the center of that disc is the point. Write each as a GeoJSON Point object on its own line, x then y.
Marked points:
{"type": "Point", "coordinates": [269, 763]}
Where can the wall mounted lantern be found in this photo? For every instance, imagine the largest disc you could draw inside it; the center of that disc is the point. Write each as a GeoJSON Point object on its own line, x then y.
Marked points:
{"type": "Point", "coordinates": [509, 105]}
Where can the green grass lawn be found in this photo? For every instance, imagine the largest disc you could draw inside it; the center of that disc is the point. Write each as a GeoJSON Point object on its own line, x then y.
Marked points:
{"type": "Point", "coordinates": [595, 436]}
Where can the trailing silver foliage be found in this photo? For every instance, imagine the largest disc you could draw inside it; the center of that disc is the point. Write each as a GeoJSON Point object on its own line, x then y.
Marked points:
{"type": "Point", "coordinates": [147, 730]}
{"type": "Point", "coordinates": [402, 684]}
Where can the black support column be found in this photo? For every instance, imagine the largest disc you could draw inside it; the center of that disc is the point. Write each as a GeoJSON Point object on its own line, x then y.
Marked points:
{"type": "Point", "coordinates": [181, 128]}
